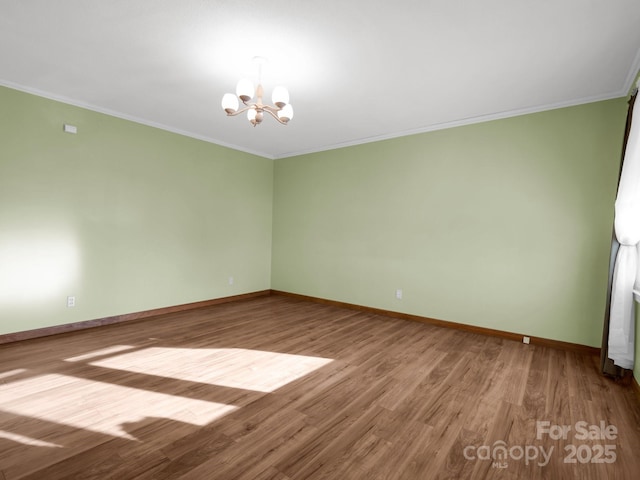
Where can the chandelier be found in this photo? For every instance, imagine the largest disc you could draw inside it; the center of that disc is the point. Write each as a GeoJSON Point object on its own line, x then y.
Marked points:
{"type": "Point", "coordinates": [281, 109]}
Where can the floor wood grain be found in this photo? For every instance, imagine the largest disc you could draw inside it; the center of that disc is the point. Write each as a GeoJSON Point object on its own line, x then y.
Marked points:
{"type": "Point", "coordinates": [278, 388]}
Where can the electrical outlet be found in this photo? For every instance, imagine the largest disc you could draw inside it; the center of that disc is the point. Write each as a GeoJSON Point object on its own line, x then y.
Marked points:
{"type": "Point", "coordinates": [526, 340]}
{"type": "Point", "coordinates": [399, 294]}
{"type": "Point", "coordinates": [230, 280]}
{"type": "Point", "coordinates": [71, 301]}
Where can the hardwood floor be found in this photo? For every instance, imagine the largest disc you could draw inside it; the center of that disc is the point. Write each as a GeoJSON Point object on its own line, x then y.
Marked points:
{"type": "Point", "coordinates": [276, 388]}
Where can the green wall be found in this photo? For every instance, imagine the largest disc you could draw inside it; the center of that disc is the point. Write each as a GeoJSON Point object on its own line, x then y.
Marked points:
{"type": "Point", "coordinates": [503, 224]}
{"type": "Point", "coordinates": [123, 216]}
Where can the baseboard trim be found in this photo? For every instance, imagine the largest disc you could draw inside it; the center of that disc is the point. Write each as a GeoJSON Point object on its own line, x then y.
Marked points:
{"type": "Point", "coordinates": [127, 317]}
{"type": "Point", "coordinates": [635, 386]}
{"type": "Point", "coordinates": [70, 327]}
{"type": "Point", "coordinates": [543, 342]}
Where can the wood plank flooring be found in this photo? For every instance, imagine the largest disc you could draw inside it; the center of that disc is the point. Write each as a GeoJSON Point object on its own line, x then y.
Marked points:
{"type": "Point", "coordinates": [276, 388]}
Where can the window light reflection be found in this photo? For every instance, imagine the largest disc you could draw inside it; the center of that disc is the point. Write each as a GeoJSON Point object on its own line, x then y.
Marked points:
{"type": "Point", "coordinates": [36, 266]}
{"type": "Point", "coordinates": [256, 370]}
{"type": "Point", "coordinates": [11, 373]}
{"type": "Point", "coordinates": [80, 403]}
{"type": "Point", "coordinates": [99, 353]}
{"type": "Point", "coordinates": [15, 437]}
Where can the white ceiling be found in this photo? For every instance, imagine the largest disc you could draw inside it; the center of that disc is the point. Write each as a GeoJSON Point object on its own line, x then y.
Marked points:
{"type": "Point", "coordinates": [357, 70]}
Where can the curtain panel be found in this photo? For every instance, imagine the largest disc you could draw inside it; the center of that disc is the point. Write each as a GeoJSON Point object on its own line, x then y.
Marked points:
{"type": "Point", "coordinates": [626, 277]}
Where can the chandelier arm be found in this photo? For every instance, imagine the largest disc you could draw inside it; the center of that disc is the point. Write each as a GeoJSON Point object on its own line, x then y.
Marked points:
{"type": "Point", "coordinates": [242, 110]}
{"type": "Point", "coordinates": [270, 112]}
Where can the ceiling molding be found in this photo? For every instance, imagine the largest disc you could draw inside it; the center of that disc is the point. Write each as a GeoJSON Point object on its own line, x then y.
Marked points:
{"type": "Point", "coordinates": [361, 141]}
{"type": "Point", "coordinates": [458, 123]}
{"type": "Point", "coordinates": [634, 72]}
{"type": "Point", "coordinates": [130, 118]}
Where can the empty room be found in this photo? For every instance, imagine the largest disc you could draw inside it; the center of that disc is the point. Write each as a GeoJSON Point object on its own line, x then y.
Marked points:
{"type": "Point", "coordinates": [319, 240]}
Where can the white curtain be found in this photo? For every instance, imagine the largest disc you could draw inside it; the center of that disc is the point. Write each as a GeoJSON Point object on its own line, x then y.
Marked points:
{"type": "Point", "coordinates": [626, 276]}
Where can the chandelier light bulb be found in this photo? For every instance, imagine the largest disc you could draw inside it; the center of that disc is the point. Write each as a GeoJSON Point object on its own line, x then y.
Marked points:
{"type": "Point", "coordinates": [280, 96]}
{"type": "Point", "coordinates": [230, 103]}
{"type": "Point", "coordinates": [244, 90]}
{"type": "Point", "coordinates": [286, 113]}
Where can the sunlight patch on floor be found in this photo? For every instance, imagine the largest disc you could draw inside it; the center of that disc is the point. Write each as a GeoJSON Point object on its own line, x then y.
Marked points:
{"type": "Point", "coordinates": [99, 353]}
{"type": "Point", "coordinates": [256, 370]}
{"type": "Point", "coordinates": [14, 437]}
{"type": "Point", "coordinates": [11, 373]}
{"type": "Point", "coordinates": [80, 403]}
